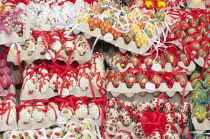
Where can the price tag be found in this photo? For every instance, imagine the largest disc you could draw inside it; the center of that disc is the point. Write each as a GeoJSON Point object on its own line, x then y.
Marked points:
{"type": "Point", "coordinates": [45, 27]}
{"type": "Point", "coordinates": [65, 92]}
{"type": "Point", "coordinates": [108, 37]}
{"type": "Point", "coordinates": [150, 86]}
{"type": "Point", "coordinates": [61, 120]}
{"type": "Point", "coordinates": [49, 55]}
{"type": "Point", "coordinates": [156, 67]}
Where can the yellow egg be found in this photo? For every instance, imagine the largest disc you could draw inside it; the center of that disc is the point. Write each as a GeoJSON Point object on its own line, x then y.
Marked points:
{"type": "Point", "coordinates": [141, 39]}
{"type": "Point", "coordinates": [135, 28]}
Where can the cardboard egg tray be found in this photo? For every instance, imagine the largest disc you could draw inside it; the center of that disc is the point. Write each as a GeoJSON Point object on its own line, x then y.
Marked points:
{"type": "Point", "coordinates": [11, 90]}
{"type": "Point", "coordinates": [7, 39]}
{"type": "Point", "coordinates": [205, 125]}
{"type": "Point", "coordinates": [168, 67]}
{"type": "Point", "coordinates": [77, 92]}
{"type": "Point", "coordinates": [36, 55]}
{"type": "Point", "coordinates": [6, 127]}
{"type": "Point", "coordinates": [119, 42]}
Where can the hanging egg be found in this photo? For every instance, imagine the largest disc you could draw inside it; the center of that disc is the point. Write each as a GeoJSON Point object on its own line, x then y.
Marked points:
{"type": "Point", "coordinates": [111, 127]}
{"type": "Point", "coordinates": [43, 85]}
{"type": "Point", "coordinates": [123, 61]}
{"type": "Point", "coordinates": [141, 39]}
{"type": "Point", "coordinates": [106, 27]}
{"type": "Point", "coordinates": [142, 106]}
{"type": "Point", "coordinates": [83, 82]}
{"type": "Point", "coordinates": [116, 32]}
{"type": "Point", "coordinates": [85, 125]}
{"type": "Point", "coordinates": [116, 81]}
{"type": "Point", "coordinates": [81, 111]}
{"type": "Point", "coordinates": [168, 107]}
{"type": "Point", "coordinates": [71, 126]}
{"type": "Point", "coordinates": [202, 53]}
{"type": "Point", "coordinates": [112, 73]}
{"type": "Point", "coordinates": [188, 39]}
{"type": "Point", "coordinates": [184, 58]}
{"type": "Point", "coordinates": [135, 28]}
{"type": "Point", "coordinates": [129, 79]}
{"type": "Point", "coordinates": [112, 113]}
{"type": "Point", "coordinates": [207, 35]}
{"type": "Point", "coordinates": [148, 61]}
{"type": "Point", "coordinates": [67, 112]}
{"type": "Point", "coordinates": [128, 36]}
{"type": "Point", "coordinates": [191, 31]}
{"type": "Point", "coordinates": [124, 135]}
{"type": "Point", "coordinates": [142, 80]}
{"type": "Point", "coordinates": [134, 60]}
{"type": "Point", "coordinates": [28, 134]}
{"type": "Point", "coordinates": [94, 110]}
{"type": "Point", "coordinates": [38, 115]}
{"type": "Point", "coordinates": [169, 57]}
{"type": "Point", "coordinates": [53, 113]}
{"type": "Point", "coordinates": [25, 116]}
{"type": "Point", "coordinates": [180, 34]}
{"type": "Point", "coordinates": [198, 37]}
{"type": "Point", "coordinates": [206, 45]}
{"type": "Point", "coordinates": [181, 78]}
{"type": "Point", "coordinates": [14, 48]}
{"type": "Point", "coordinates": [94, 23]}
{"type": "Point", "coordinates": [157, 80]}
{"type": "Point", "coordinates": [112, 103]}
{"type": "Point", "coordinates": [138, 130]}
{"type": "Point", "coordinates": [201, 30]}
{"type": "Point", "coordinates": [129, 106]}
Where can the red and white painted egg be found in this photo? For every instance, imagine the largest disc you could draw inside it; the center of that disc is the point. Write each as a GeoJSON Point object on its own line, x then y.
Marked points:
{"type": "Point", "coordinates": [111, 127]}
{"type": "Point", "coordinates": [67, 112]}
{"type": "Point", "coordinates": [94, 111]}
{"type": "Point", "coordinates": [142, 106]}
{"type": "Point", "coordinates": [71, 127]}
{"type": "Point", "coordinates": [84, 125]}
{"type": "Point", "coordinates": [81, 111]}
{"type": "Point", "coordinates": [125, 118]}
{"type": "Point", "coordinates": [138, 130]}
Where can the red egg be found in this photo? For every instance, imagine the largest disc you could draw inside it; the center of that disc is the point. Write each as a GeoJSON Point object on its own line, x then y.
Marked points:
{"type": "Point", "coordinates": [112, 73]}
{"type": "Point", "coordinates": [160, 60]}
{"type": "Point", "coordinates": [148, 61]}
{"type": "Point", "coordinates": [116, 81]}
{"type": "Point", "coordinates": [181, 78]}
{"type": "Point", "coordinates": [184, 58]}
{"type": "Point", "coordinates": [202, 53]}
{"type": "Point", "coordinates": [157, 80]}
{"type": "Point", "coordinates": [142, 80]}
{"type": "Point", "coordinates": [195, 46]}
{"type": "Point", "coordinates": [129, 79]}
{"type": "Point", "coordinates": [180, 34]}
{"type": "Point", "coordinates": [188, 38]}
{"type": "Point", "coordinates": [206, 45]}
{"type": "Point", "coordinates": [123, 62]}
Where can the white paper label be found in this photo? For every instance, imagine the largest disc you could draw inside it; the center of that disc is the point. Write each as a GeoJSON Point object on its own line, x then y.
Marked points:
{"type": "Point", "coordinates": [156, 67]}
{"type": "Point", "coordinates": [45, 27]}
{"type": "Point", "coordinates": [49, 55]}
{"type": "Point", "coordinates": [61, 120]}
{"type": "Point", "coordinates": [108, 37]}
{"type": "Point", "coordinates": [65, 92]}
{"type": "Point", "coordinates": [150, 86]}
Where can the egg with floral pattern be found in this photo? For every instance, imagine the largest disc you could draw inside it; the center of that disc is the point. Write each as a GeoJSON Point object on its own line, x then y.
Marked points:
{"type": "Point", "coordinates": [128, 36]}
{"type": "Point", "coordinates": [112, 103]}
{"type": "Point", "coordinates": [181, 78]}
{"type": "Point", "coordinates": [113, 113]}
{"type": "Point", "coordinates": [116, 81]}
{"type": "Point", "coordinates": [168, 107]}
{"type": "Point", "coordinates": [167, 136]}
{"type": "Point", "coordinates": [81, 111]}
{"type": "Point", "coordinates": [71, 126]}
{"type": "Point", "coordinates": [142, 106]}
{"type": "Point", "coordinates": [154, 135]}
{"type": "Point", "coordinates": [94, 110]}
{"type": "Point", "coordinates": [124, 135]}
{"type": "Point", "coordinates": [85, 125]}
{"type": "Point", "coordinates": [111, 127]}
{"type": "Point", "coordinates": [125, 118]}
{"type": "Point", "coordinates": [154, 102]}
{"type": "Point", "coordinates": [138, 130]}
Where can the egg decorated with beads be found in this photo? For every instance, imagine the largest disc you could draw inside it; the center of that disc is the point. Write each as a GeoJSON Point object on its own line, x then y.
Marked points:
{"type": "Point", "coordinates": [94, 23]}
{"type": "Point", "coordinates": [128, 36]}
{"type": "Point", "coordinates": [142, 80]}
{"type": "Point", "coordinates": [182, 79]}
{"type": "Point", "coordinates": [116, 32]}
{"type": "Point", "coordinates": [157, 80]}
{"type": "Point", "coordinates": [106, 27]}
{"type": "Point", "coordinates": [129, 79]}
{"type": "Point", "coordinates": [200, 113]}
{"type": "Point", "coordinates": [202, 53]}
{"type": "Point", "coordinates": [141, 39]}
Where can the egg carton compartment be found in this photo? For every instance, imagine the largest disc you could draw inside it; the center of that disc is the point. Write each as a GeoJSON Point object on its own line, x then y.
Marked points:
{"type": "Point", "coordinates": [129, 92]}
{"type": "Point", "coordinates": [200, 61]}
{"type": "Point", "coordinates": [11, 90]}
{"type": "Point", "coordinates": [168, 67]}
{"type": "Point", "coordinates": [6, 127]}
{"type": "Point", "coordinates": [118, 43]}
{"type": "Point", "coordinates": [205, 125]}
{"type": "Point", "coordinates": [191, 5]}
{"type": "Point", "coordinates": [7, 39]}
{"type": "Point", "coordinates": [36, 55]}
{"type": "Point", "coordinates": [77, 92]}
{"type": "Point", "coordinates": [132, 125]}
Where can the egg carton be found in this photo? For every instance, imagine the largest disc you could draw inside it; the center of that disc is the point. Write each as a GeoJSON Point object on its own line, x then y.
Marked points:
{"type": "Point", "coordinates": [6, 127]}
{"type": "Point", "coordinates": [8, 39]}
{"type": "Point", "coordinates": [36, 55]}
{"type": "Point", "coordinates": [119, 42]}
{"type": "Point", "coordinates": [77, 92]}
{"type": "Point", "coordinates": [205, 125]}
{"type": "Point", "coordinates": [132, 125]}
{"type": "Point", "coordinates": [11, 90]}
{"type": "Point", "coordinates": [191, 5]}
{"type": "Point", "coordinates": [129, 92]}
{"type": "Point", "coordinates": [168, 67]}
{"type": "Point", "coordinates": [200, 61]}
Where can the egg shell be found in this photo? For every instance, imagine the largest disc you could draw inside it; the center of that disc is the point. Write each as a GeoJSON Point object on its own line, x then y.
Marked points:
{"type": "Point", "coordinates": [111, 127]}
{"type": "Point", "coordinates": [125, 119]}
{"type": "Point", "coordinates": [206, 45]}
{"type": "Point", "coordinates": [85, 125]}
{"type": "Point", "coordinates": [142, 80]}
{"type": "Point", "coordinates": [157, 80]}
{"type": "Point", "coordinates": [170, 118]}
{"type": "Point", "coordinates": [25, 116]}
{"type": "Point", "coordinates": [6, 81]}
{"type": "Point", "coordinates": [129, 79]}
{"type": "Point", "coordinates": [38, 115]}
{"type": "Point", "coordinates": [128, 36]}
{"type": "Point", "coordinates": [138, 130]}
{"type": "Point", "coordinates": [182, 79]}
{"type": "Point", "coordinates": [94, 111]}
{"type": "Point", "coordinates": [129, 106]}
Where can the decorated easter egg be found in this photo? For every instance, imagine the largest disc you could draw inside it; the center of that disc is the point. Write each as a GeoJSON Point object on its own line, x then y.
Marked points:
{"type": "Point", "coordinates": [55, 82]}
{"type": "Point", "coordinates": [38, 115]}
{"type": "Point", "coordinates": [198, 37]}
{"type": "Point", "coordinates": [150, 29]}
{"type": "Point", "coordinates": [128, 36]}
{"type": "Point", "coordinates": [157, 80]}
{"type": "Point", "coordinates": [25, 116]}
{"type": "Point", "coordinates": [142, 106]}
{"type": "Point", "coordinates": [169, 57]}
{"type": "Point", "coordinates": [123, 61]}
{"type": "Point", "coordinates": [84, 18]}
{"type": "Point", "coordinates": [149, 4]}
{"type": "Point", "coordinates": [28, 134]}
{"type": "Point", "coordinates": [84, 82]}
{"type": "Point", "coordinates": [124, 135]}
{"type": "Point", "coordinates": [181, 78]}
{"type": "Point", "coordinates": [138, 130]}
{"type": "Point", "coordinates": [188, 39]}
{"type": "Point", "coordinates": [134, 60]}
{"type": "Point", "coordinates": [14, 48]}
{"type": "Point", "coordinates": [207, 82]}
{"type": "Point", "coordinates": [85, 125]}
{"type": "Point", "coordinates": [71, 126]}
{"type": "Point", "coordinates": [141, 24]}
{"type": "Point", "coordinates": [67, 112]}
{"type": "Point", "coordinates": [70, 135]}
{"type": "Point", "coordinates": [167, 135]}
{"type": "Point", "coordinates": [106, 27]}
{"type": "Point", "coordinates": [202, 53]}
{"type": "Point", "coordinates": [184, 58]}
{"type": "Point", "coordinates": [125, 118]}
{"type": "Point", "coordinates": [195, 46]}
{"type": "Point", "coordinates": [159, 16]}
{"type": "Point", "coordinates": [184, 24]}
{"type": "Point", "coordinates": [141, 39]}
{"type": "Point", "coordinates": [94, 23]}
{"type": "Point", "coordinates": [154, 135]}
{"type": "Point", "coordinates": [148, 61]}
{"type": "Point", "coordinates": [129, 106]}
{"type": "Point", "coordinates": [52, 112]}
{"type": "Point", "coordinates": [113, 113]}
{"type": "Point", "coordinates": [116, 32]}
{"type": "Point", "coordinates": [85, 135]}
{"type": "Point", "coordinates": [154, 102]}
{"type": "Point", "coordinates": [135, 28]}
{"type": "Point", "coordinates": [191, 31]}
{"type": "Point", "coordinates": [168, 107]}
{"type": "Point", "coordinates": [112, 103]}
{"type": "Point", "coordinates": [57, 133]}
{"type": "Point", "coordinates": [129, 79]}
{"type": "Point", "coordinates": [142, 80]}
{"type": "Point", "coordinates": [180, 34]}
{"type": "Point", "coordinates": [116, 81]}
{"type": "Point", "coordinates": [94, 110]}
{"type": "Point", "coordinates": [81, 111]}
{"type": "Point", "coordinates": [193, 22]}
{"type": "Point", "coordinates": [111, 126]}
{"type": "Point", "coordinates": [6, 81]}
{"type": "Point", "coordinates": [43, 85]}
{"type": "Point", "coordinates": [170, 118]}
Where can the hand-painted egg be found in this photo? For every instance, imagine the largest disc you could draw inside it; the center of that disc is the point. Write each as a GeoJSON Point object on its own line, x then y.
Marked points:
{"type": "Point", "coordinates": [135, 28]}
{"type": "Point", "coordinates": [125, 118]}
{"type": "Point", "coordinates": [184, 24]}
{"type": "Point", "coordinates": [148, 61]}
{"type": "Point", "coordinates": [28, 134]}
{"type": "Point", "coordinates": [129, 106]}
{"type": "Point", "coordinates": [25, 116]}
{"type": "Point", "coordinates": [111, 127]}
{"type": "Point", "coordinates": [170, 118]}
{"type": "Point", "coordinates": [150, 30]}
{"type": "Point", "coordinates": [154, 102]}
{"type": "Point", "coordinates": [84, 18]}
{"type": "Point", "coordinates": [195, 46]}
{"type": "Point", "coordinates": [206, 45]}
{"type": "Point", "coordinates": [191, 31]}
{"type": "Point", "coordinates": [181, 78]}
{"type": "Point", "coordinates": [207, 35]}
{"type": "Point", "coordinates": [124, 135]}
{"type": "Point", "coordinates": [167, 135]}
{"type": "Point", "coordinates": [157, 80]}
{"type": "Point", "coordinates": [201, 30]}
{"type": "Point", "coordinates": [142, 106]}
{"type": "Point", "coordinates": [141, 39]}
{"type": "Point", "coordinates": [141, 24]}
{"type": "Point", "coordinates": [180, 34]}
{"type": "Point", "coordinates": [71, 126]}
{"type": "Point", "coordinates": [94, 23]}
{"type": "Point", "coordinates": [168, 107]}
{"type": "Point", "coordinates": [53, 113]}
{"type": "Point", "coordinates": [67, 112]}
{"type": "Point", "coordinates": [142, 80]}
{"type": "Point", "coordinates": [70, 135]}
{"type": "Point", "coordinates": [207, 82]}
{"type": "Point", "coordinates": [57, 133]}
{"type": "Point", "coordinates": [116, 81]}
{"type": "Point", "coordinates": [113, 113]}
{"type": "Point", "coordinates": [43, 85]}
{"type": "Point", "coordinates": [193, 23]}
{"type": "Point", "coordinates": [188, 39]}
{"type": "Point", "coordinates": [169, 57]}
{"type": "Point", "coordinates": [94, 111]}
{"type": "Point", "coordinates": [129, 79]}
{"type": "Point", "coordinates": [55, 82]}
{"type": "Point", "coordinates": [134, 60]}
{"type": "Point", "coordinates": [154, 135]}
{"type": "Point", "coordinates": [185, 59]}
{"type": "Point", "coordinates": [106, 27]}
{"type": "Point", "coordinates": [128, 36]}
{"type": "Point", "coordinates": [112, 103]}
{"type": "Point", "coordinates": [200, 113]}
{"type": "Point", "coordinates": [202, 53]}
{"type": "Point", "coordinates": [29, 86]}
{"type": "Point", "coordinates": [81, 111]}
{"type": "Point", "coordinates": [85, 135]}
{"type": "Point", "coordinates": [38, 115]}
{"type": "Point", "coordinates": [169, 128]}
{"type": "Point", "coordinates": [123, 61]}
{"type": "Point", "coordinates": [14, 135]}
{"type": "Point", "coordinates": [138, 130]}
{"type": "Point", "coordinates": [85, 125]}
{"type": "Point", "coordinates": [116, 32]}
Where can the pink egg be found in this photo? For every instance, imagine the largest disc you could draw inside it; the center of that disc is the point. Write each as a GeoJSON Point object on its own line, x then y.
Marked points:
{"type": "Point", "coordinates": [3, 63]}
{"type": "Point", "coordinates": [6, 81]}
{"type": "Point", "coordinates": [5, 71]}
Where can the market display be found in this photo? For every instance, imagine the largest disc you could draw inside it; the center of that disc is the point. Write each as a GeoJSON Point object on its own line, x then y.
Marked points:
{"type": "Point", "coordinates": [91, 69]}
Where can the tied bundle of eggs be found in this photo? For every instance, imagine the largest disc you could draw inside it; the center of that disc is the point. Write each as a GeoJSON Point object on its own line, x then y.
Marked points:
{"type": "Point", "coordinates": [5, 75]}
